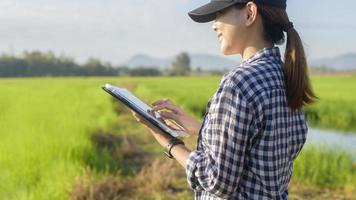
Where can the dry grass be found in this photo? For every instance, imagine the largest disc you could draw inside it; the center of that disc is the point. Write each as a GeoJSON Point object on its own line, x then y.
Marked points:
{"type": "Point", "coordinates": [110, 187]}
{"type": "Point", "coordinates": [156, 180]}
{"type": "Point", "coordinates": [138, 173]}
{"type": "Point", "coordinates": [117, 153]}
{"type": "Point", "coordinates": [301, 191]}
{"type": "Point", "coordinates": [106, 141]}
{"type": "Point", "coordinates": [157, 177]}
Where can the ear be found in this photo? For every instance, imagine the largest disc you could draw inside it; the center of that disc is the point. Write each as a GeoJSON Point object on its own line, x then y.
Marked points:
{"type": "Point", "coordinates": [250, 13]}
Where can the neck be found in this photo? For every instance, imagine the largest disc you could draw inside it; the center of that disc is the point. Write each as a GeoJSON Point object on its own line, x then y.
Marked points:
{"type": "Point", "coordinates": [254, 41]}
{"type": "Point", "coordinates": [252, 48]}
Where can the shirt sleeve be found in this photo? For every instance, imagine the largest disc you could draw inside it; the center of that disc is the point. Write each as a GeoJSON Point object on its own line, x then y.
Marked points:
{"type": "Point", "coordinates": [217, 167]}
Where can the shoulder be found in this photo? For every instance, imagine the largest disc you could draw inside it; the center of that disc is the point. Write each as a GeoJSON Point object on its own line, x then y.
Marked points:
{"type": "Point", "coordinates": [254, 79]}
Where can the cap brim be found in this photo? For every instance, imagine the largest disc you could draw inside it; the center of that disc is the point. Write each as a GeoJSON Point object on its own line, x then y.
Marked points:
{"type": "Point", "coordinates": [207, 12]}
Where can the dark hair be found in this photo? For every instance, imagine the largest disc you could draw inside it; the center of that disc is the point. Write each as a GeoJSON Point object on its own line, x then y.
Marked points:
{"type": "Point", "coordinates": [275, 21]}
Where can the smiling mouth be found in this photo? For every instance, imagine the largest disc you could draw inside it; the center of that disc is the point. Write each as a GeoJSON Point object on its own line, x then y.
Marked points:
{"type": "Point", "coordinates": [220, 37]}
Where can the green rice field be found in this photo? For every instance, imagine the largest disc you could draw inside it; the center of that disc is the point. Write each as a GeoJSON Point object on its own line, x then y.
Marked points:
{"type": "Point", "coordinates": [46, 126]}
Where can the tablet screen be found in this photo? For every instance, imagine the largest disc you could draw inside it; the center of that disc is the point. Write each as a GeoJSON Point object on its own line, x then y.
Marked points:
{"type": "Point", "coordinates": [141, 107]}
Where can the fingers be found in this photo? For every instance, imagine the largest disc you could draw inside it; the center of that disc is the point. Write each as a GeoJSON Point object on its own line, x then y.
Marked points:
{"type": "Point", "coordinates": [143, 121]}
{"type": "Point", "coordinates": [171, 125]}
{"type": "Point", "coordinates": [136, 116]}
{"type": "Point", "coordinates": [139, 118]}
{"type": "Point", "coordinates": [165, 101]}
{"type": "Point", "coordinates": [158, 102]}
{"type": "Point", "coordinates": [169, 115]}
{"type": "Point", "coordinates": [148, 125]}
{"type": "Point", "coordinates": [168, 106]}
{"type": "Point", "coordinates": [172, 108]}
{"type": "Point", "coordinates": [174, 126]}
{"type": "Point", "coordinates": [164, 122]}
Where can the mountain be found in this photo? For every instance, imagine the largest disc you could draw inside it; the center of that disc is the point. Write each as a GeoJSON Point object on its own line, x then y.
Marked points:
{"type": "Point", "coordinates": [212, 62]}
{"type": "Point", "coordinates": [204, 61]}
{"type": "Point", "coordinates": [342, 62]}
{"type": "Point", "coordinates": [147, 61]}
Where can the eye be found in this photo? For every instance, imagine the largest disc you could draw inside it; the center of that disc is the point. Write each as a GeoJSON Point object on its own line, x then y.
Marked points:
{"type": "Point", "coordinates": [221, 12]}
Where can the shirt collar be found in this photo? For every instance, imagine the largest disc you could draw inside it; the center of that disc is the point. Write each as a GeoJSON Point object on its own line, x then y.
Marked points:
{"type": "Point", "coordinates": [268, 52]}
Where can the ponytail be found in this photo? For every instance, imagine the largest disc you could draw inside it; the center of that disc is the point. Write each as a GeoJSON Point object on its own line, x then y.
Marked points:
{"type": "Point", "coordinates": [299, 90]}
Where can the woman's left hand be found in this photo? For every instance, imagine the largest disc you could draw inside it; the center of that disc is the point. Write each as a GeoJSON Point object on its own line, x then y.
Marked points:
{"type": "Point", "coordinates": [161, 137]}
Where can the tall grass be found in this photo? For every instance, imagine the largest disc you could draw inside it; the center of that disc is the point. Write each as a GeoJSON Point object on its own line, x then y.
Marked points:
{"type": "Point", "coordinates": [192, 93]}
{"type": "Point", "coordinates": [336, 109]}
{"type": "Point", "coordinates": [317, 166]}
{"type": "Point", "coordinates": [325, 167]}
{"type": "Point", "coordinates": [44, 128]}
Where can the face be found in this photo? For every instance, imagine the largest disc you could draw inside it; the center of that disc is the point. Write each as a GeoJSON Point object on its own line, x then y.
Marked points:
{"type": "Point", "coordinates": [231, 30]}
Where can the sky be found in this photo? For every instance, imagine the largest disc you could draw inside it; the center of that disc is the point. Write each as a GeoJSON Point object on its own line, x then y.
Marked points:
{"type": "Point", "coordinates": [116, 30]}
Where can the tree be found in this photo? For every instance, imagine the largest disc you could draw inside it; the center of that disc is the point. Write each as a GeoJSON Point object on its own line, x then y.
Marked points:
{"type": "Point", "coordinates": [36, 63]}
{"type": "Point", "coordinates": [95, 67]}
{"type": "Point", "coordinates": [181, 65]}
{"type": "Point", "coordinates": [145, 71]}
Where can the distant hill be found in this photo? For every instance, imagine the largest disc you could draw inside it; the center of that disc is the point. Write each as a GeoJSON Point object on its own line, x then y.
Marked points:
{"type": "Point", "coordinates": [204, 61]}
{"type": "Point", "coordinates": [207, 62]}
{"type": "Point", "coordinates": [147, 61]}
{"type": "Point", "coordinates": [339, 63]}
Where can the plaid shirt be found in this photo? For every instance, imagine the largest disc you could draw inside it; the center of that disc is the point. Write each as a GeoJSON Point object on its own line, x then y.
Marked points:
{"type": "Point", "coordinates": [249, 137]}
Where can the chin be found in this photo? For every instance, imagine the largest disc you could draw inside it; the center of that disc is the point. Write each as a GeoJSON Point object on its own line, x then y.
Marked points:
{"type": "Point", "coordinates": [226, 52]}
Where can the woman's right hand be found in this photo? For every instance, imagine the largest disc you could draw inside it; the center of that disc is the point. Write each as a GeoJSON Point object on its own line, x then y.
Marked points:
{"type": "Point", "coordinates": [188, 123]}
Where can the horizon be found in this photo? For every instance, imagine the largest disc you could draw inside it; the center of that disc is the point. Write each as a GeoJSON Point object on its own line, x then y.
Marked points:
{"type": "Point", "coordinates": [106, 30]}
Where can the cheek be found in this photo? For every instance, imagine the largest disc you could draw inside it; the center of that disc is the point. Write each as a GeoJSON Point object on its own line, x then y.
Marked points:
{"type": "Point", "coordinates": [231, 40]}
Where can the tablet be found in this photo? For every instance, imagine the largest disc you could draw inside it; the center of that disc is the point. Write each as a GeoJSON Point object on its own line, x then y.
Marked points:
{"type": "Point", "coordinates": [140, 107]}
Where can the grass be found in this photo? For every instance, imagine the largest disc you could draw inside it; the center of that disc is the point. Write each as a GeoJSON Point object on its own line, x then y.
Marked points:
{"type": "Point", "coordinates": [191, 93]}
{"type": "Point", "coordinates": [141, 171]}
{"type": "Point", "coordinates": [56, 133]}
{"type": "Point", "coordinates": [325, 168]}
{"type": "Point", "coordinates": [318, 174]}
{"type": "Point", "coordinates": [44, 130]}
{"type": "Point", "coordinates": [336, 109]}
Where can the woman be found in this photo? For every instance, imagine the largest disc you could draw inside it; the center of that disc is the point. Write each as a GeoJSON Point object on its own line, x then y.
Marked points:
{"type": "Point", "coordinates": [254, 126]}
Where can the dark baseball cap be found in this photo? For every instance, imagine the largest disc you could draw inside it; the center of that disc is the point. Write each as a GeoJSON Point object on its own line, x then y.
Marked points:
{"type": "Point", "coordinates": [207, 12]}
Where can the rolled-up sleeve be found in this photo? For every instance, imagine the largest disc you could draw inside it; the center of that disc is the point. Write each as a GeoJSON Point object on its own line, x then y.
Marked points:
{"type": "Point", "coordinates": [218, 166]}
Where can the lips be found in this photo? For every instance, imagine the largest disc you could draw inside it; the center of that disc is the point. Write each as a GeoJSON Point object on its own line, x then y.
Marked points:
{"type": "Point", "coordinates": [219, 36]}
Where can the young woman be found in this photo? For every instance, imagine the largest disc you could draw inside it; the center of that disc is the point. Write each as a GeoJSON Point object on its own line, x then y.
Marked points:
{"type": "Point", "coordinates": [254, 126]}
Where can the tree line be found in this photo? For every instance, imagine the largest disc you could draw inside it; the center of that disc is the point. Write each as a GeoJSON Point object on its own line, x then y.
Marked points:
{"type": "Point", "coordinates": [38, 63]}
